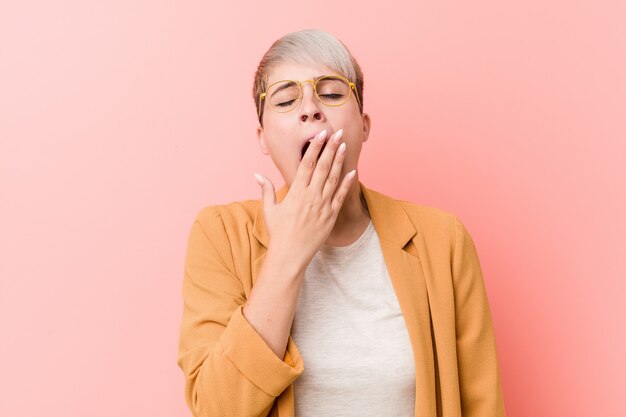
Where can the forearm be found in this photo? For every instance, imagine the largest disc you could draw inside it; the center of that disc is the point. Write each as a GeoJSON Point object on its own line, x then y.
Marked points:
{"type": "Point", "coordinates": [271, 305]}
{"type": "Point", "coordinates": [237, 375]}
{"type": "Point", "coordinates": [229, 368]}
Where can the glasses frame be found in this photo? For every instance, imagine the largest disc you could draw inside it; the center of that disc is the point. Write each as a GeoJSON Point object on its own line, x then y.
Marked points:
{"type": "Point", "coordinates": [299, 83]}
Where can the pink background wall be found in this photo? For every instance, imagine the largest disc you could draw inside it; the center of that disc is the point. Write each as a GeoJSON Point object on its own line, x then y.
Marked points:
{"type": "Point", "coordinates": [120, 120]}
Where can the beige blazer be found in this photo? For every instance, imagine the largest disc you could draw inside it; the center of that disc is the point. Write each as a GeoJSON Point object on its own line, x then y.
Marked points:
{"type": "Point", "coordinates": [230, 371]}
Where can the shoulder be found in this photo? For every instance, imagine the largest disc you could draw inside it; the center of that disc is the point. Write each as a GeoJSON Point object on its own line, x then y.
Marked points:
{"type": "Point", "coordinates": [434, 223]}
{"type": "Point", "coordinates": [427, 217]}
{"type": "Point", "coordinates": [229, 217]}
{"type": "Point", "coordinates": [440, 232]}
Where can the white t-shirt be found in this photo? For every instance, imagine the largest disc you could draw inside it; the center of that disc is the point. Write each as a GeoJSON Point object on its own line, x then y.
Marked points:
{"type": "Point", "coordinates": [350, 331]}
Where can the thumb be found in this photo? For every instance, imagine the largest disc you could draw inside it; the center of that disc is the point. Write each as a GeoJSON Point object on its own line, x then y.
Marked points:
{"type": "Point", "coordinates": [267, 188]}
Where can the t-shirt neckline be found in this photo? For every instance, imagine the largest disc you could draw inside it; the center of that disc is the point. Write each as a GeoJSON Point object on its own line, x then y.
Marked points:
{"type": "Point", "coordinates": [354, 245]}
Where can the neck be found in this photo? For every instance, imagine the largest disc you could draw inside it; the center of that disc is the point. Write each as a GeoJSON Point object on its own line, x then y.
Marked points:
{"type": "Point", "coordinates": [353, 214]}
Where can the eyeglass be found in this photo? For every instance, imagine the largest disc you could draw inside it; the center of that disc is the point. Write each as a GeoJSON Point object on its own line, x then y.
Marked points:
{"type": "Point", "coordinates": [285, 95]}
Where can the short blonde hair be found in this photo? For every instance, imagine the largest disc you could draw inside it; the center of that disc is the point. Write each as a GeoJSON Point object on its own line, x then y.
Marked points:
{"type": "Point", "coordinates": [308, 47]}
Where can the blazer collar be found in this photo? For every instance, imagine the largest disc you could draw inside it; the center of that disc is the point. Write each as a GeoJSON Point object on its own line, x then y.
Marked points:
{"type": "Point", "coordinates": [389, 219]}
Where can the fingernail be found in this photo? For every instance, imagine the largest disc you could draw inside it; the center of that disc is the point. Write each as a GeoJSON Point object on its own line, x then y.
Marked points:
{"type": "Point", "coordinates": [322, 135]}
{"type": "Point", "coordinates": [351, 174]}
{"type": "Point", "coordinates": [338, 135]}
{"type": "Point", "coordinates": [259, 179]}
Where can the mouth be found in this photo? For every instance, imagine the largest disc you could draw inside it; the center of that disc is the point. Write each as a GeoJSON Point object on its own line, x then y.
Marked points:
{"type": "Point", "coordinates": [306, 145]}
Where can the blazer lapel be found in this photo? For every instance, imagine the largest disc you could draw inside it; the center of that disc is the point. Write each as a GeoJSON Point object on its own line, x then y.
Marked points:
{"type": "Point", "coordinates": [396, 234]}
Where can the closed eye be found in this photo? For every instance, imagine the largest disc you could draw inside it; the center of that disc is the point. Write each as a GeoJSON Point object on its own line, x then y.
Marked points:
{"type": "Point", "coordinates": [285, 103]}
{"type": "Point", "coordinates": [335, 96]}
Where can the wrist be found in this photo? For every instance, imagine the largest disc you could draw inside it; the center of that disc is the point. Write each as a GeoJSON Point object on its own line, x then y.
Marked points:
{"type": "Point", "coordinates": [285, 261]}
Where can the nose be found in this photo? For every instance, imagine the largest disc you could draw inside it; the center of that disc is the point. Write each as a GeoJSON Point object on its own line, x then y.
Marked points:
{"type": "Point", "coordinates": [309, 107]}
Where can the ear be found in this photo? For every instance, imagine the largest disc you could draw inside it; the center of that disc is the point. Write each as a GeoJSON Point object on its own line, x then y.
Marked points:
{"type": "Point", "coordinates": [261, 138]}
{"type": "Point", "coordinates": [367, 123]}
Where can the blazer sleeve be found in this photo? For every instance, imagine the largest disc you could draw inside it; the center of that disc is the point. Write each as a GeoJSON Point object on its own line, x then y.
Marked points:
{"type": "Point", "coordinates": [229, 369]}
{"type": "Point", "coordinates": [479, 378]}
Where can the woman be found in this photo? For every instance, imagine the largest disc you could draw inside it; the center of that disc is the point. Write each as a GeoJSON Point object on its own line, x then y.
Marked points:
{"type": "Point", "coordinates": [382, 299]}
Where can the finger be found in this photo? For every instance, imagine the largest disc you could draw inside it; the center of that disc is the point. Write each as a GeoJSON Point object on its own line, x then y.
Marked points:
{"type": "Point", "coordinates": [267, 192]}
{"type": "Point", "coordinates": [325, 163]}
{"type": "Point", "coordinates": [309, 161]}
{"type": "Point", "coordinates": [341, 193]}
{"type": "Point", "coordinates": [330, 186]}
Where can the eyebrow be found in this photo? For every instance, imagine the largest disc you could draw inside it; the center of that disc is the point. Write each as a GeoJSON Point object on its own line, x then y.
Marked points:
{"type": "Point", "coordinates": [282, 87]}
